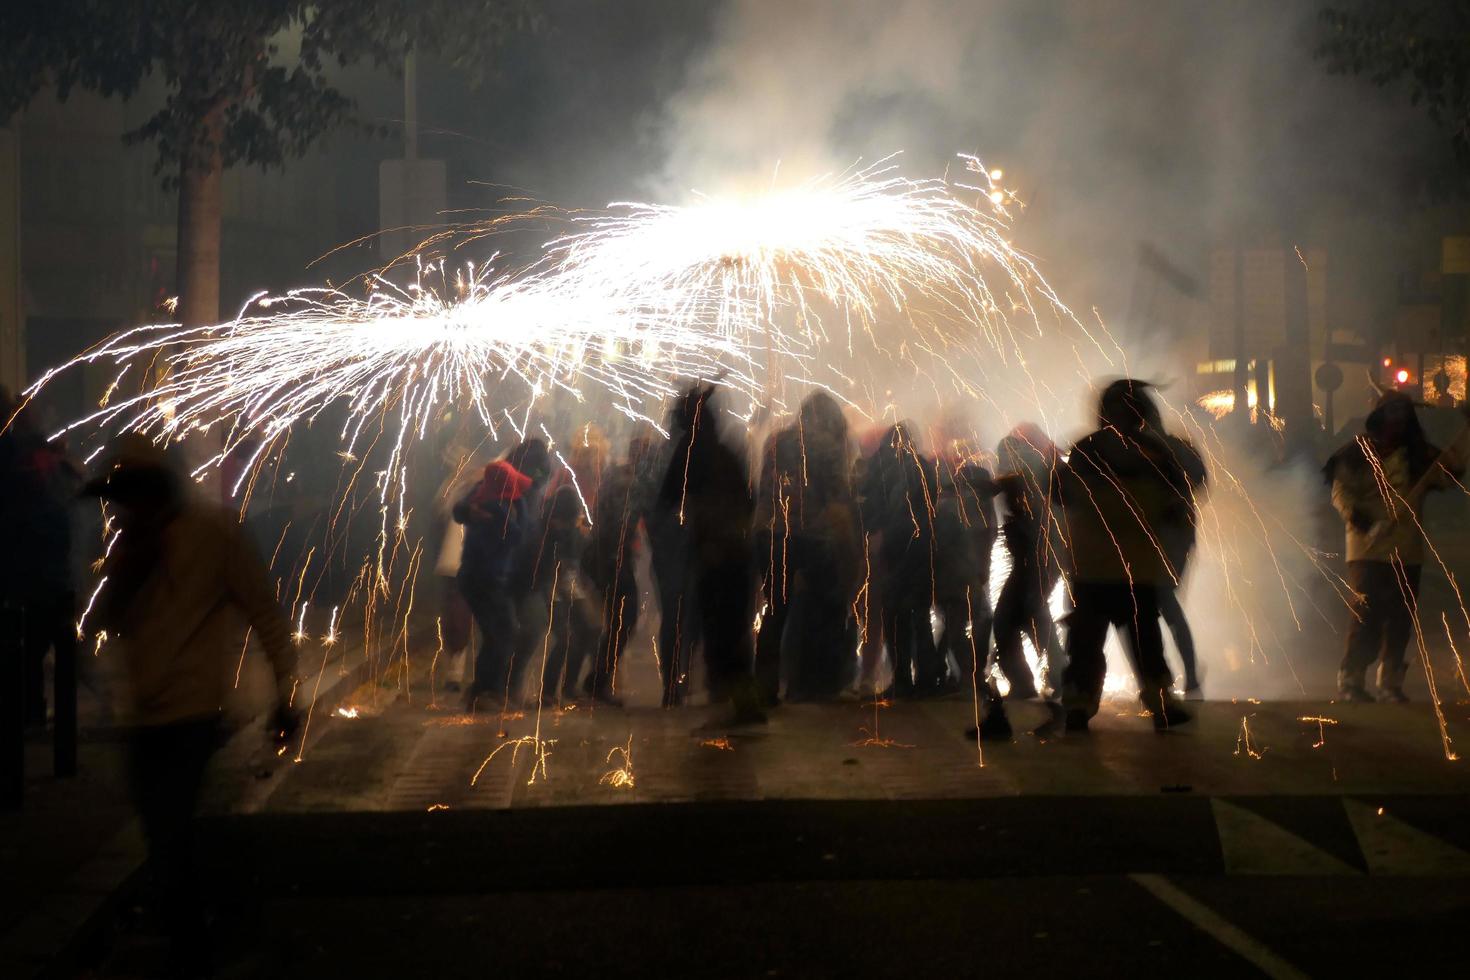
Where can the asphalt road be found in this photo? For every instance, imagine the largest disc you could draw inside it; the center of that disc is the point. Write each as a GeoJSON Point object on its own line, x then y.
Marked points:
{"type": "Point", "coordinates": [842, 840]}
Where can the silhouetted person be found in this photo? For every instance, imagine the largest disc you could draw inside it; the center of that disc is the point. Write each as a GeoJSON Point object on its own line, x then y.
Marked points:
{"type": "Point", "coordinates": [707, 490]}
{"type": "Point", "coordinates": [494, 516]}
{"type": "Point", "coordinates": [670, 561]}
{"type": "Point", "coordinates": [40, 488]}
{"type": "Point", "coordinates": [899, 493]}
{"type": "Point", "coordinates": [1117, 487]}
{"type": "Point", "coordinates": [456, 625]}
{"type": "Point", "coordinates": [965, 531]}
{"type": "Point", "coordinates": [559, 613]}
{"type": "Point", "coordinates": [1178, 532]}
{"type": "Point", "coordinates": [774, 564]}
{"type": "Point", "coordinates": [610, 561]}
{"type": "Point", "coordinates": [1027, 465]}
{"type": "Point", "coordinates": [1379, 482]}
{"type": "Point", "coordinates": [182, 584]}
{"type": "Point", "coordinates": [809, 553]}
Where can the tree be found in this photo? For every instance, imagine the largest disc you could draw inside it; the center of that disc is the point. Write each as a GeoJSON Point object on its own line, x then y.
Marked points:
{"type": "Point", "coordinates": [1423, 43]}
{"type": "Point", "coordinates": [233, 97]}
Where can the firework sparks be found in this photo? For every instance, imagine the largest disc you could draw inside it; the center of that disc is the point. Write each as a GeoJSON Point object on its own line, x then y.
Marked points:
{"type": "Point", "coordinates": [866, 242]}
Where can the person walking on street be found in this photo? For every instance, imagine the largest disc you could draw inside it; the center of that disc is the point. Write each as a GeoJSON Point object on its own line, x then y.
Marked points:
{"type": "Point", "coordinates": [181, 583]}
{"type": "Point", "coordinates": [1379, 482]}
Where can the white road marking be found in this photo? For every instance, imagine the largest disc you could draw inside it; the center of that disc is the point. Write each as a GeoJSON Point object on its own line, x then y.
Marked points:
{"type": "Point", "coordinates": [1226, 933]}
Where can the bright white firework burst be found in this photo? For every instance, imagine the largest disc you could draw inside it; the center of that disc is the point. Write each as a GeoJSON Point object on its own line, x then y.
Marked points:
{"type": "Point", "coordinates": [639, 298]}
{"type": "Point", "coordinates": [866, 242]}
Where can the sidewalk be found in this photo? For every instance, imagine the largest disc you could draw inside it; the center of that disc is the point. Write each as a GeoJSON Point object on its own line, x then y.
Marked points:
{"type": "Point", "coordinates": [73, 850]}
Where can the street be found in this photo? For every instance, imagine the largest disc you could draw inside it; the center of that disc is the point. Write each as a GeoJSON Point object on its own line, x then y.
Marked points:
{"type": "Point", "coordinates": [829, 843]}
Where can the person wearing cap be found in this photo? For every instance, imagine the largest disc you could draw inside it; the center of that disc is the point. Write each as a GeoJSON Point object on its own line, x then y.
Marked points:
{"type": "Point", "coordinates": [181, 585]}
{"type": "Point", "coordinates": [1379, 481]}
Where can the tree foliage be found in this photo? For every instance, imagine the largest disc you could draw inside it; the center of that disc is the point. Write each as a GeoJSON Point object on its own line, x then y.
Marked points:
{"type": "Point", "coordinates": [1423, 44]}
{"type": "Point", "coordinates": [248, 79]}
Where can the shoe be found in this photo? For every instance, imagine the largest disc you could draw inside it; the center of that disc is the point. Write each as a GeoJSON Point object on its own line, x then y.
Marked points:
{"type": "Point", "coordinates": [1193, 693]}
{"type": "Point", "coordinates": [1077, 721]}
{"type": "Point", "coordinates": [995, 728]}
{"type": "Point", "coordinates": [1393, 695]}
{"type": "Point", "coordinates": [1355, 694]}
{"type": "Point", "coordinates": [1171, 716]}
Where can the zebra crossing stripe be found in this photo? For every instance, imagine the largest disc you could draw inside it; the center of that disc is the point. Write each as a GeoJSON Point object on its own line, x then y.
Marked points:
{"type": "Point", "coordinates": [1252, 845]}
{"type": "Point", "coordinates": [1393, 847]}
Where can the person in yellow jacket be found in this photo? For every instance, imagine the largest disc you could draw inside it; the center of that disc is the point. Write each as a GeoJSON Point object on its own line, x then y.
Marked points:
{"type": "Point", "coordinates": [1379, 482]}
{"type": "Point", "coordinates": [181, 585]}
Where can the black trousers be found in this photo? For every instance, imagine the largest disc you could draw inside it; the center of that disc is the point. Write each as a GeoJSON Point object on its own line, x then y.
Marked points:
{"type": "Point", "coordinates": [959, 612]}
{"type": "Point", "coordinates": [1134, 610]}
{"type": "Point", "coordinates": [50, 623]}
{"type": "Point", "coordinates": [725, 613]}
{"type": "Point", "coordinates": [776, 595]}
{"type": "Point", "coordinates": [494, 610]}
{"type": "Point", "coordinates": [619, 617]}
{"type": "Point", "coordinates": [1023, 610]}
{"type": "Point", "coordinates": [909, 633]}
{"type": "Point", "coordinates": [1174, 618]}
{"type": "Point", "coordinates": [1383, 617]}
{"type": "Point", "coordinates": [678, 626]}
{"type": "Point", "coordinates": [167, 765]}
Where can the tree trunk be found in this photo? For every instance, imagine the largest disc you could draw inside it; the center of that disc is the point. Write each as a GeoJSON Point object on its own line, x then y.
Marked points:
{"type": "Point", "coordinates": [200, 171]}
{"type": "Point", "coordinates": [199, 237]}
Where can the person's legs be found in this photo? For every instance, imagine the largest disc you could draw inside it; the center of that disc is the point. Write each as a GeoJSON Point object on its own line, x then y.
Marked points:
{"type": "Point", "coordinates": [1402, 609]}
{"type": "Point", "coordinates": [1136, 613]}
{"type": "Point", "coordinates": [1087, 630]}
{"type": "Point", "coordinates": [724, 613]}
{"type": "Point", "coordinates": [776, 597]}
{"type": "Point", "coordinates": [495, 617]}
{"type": "Point", "coordinates": [168, 764]}
{"type": "Point", "coordinates": [1173, 616]}
{"type": "Point", "coordinates": [533, 620]}
{"type": "Point", "coordinates": [1019, 611]}
{"type": "Point", "coordinates": [35, 644]}
{"type": "Point", "coordinates": [955, 635]}
{"type": "Point", "coordinates": [896, 636]}
{"type": "Point", "coordinates": [928, 667]}
{"type": "Point", "coordinates": [679, 634]}
{"type": "Point", "coordinates": [1369, 611]}
{"type": "Point", "coordinates": [621, 616]}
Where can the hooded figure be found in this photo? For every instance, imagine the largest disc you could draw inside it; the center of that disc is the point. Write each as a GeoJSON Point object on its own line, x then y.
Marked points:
{"type": "Point", "coordinates": [493, 513]}
{"type": "Point", "coordinates": [900, 491]}
{"type": "Point", "coordinates": [707, 492]}
{"type": "Point", "coordinates": [1379, 482]}
{"type": "Point", "coordinates": [808, 555]}
{"type": "Point", "coordinates": [1118, 489]}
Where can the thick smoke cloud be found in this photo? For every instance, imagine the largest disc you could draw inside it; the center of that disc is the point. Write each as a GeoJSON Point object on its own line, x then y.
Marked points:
{"type": "Point", "coordinates": [1184, 126]}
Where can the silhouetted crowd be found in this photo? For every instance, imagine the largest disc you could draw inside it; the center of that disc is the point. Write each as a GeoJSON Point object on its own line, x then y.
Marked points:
{"type": "Point", "coordinates": [843, 561]}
